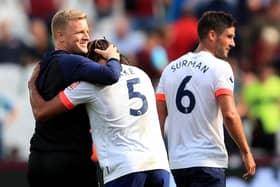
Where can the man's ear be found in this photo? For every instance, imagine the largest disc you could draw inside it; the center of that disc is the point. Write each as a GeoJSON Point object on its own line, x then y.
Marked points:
{"type": "Point", "coordinates": [60, 36]}
{"type": "Point", "coordinates": [212, 35]}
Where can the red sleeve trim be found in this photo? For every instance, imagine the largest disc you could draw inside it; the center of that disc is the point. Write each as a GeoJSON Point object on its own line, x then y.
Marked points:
{"type": "Point", "coordinates": [94, 154]}
{"type": "Point", "coordinates": [160, 97]}
{"type": "Point", "coordinates": [223, 92]}
{"type": "Point", "coordinates": [65, 101]}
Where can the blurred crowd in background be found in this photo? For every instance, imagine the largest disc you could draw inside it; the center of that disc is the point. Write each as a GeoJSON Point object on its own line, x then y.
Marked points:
{"type": "Point", "coordinates": [151, 33]}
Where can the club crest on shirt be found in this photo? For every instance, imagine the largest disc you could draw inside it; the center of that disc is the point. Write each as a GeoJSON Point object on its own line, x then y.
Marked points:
{"type": "Point", "coordinates": [231, 79]}
{"type": "Point", "coordinates": [74, 85]}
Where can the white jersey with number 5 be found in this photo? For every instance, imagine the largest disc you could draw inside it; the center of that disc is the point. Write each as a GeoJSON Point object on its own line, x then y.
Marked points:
{"type": "Point", "coordinates": [190, 85]}
{"type": "Point", "coordinates": [124, 121]}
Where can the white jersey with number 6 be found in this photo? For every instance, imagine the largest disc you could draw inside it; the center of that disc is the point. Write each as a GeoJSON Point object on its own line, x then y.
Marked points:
{"type": "Point", "coordinates": [124, 121]}
{"type": "Point", "coordinates": [190, 85]}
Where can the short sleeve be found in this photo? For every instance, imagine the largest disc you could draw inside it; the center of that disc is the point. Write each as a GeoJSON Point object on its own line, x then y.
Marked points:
{"type": "Point", "coordinates": [77, 93]}
{"type": "Point", "coordinates": [160, 91]}
{"type": "Point", "coordinates": [224, 80]}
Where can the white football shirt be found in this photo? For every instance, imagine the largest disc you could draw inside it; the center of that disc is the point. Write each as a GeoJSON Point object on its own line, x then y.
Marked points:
{"type": "Point", "coordinates": [124, 121]}
{"type": "Point", "coordinates": [190, 85]}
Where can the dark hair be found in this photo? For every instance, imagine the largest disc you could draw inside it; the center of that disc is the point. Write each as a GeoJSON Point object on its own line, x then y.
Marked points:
{"type": "Point", "coordinates": [101, 44]}
{"type": "Point", "coordinates": [214, 20]}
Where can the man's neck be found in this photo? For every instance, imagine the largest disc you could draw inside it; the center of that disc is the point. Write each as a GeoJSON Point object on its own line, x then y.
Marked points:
{"type": "Point", "coordinates": [202, 47]}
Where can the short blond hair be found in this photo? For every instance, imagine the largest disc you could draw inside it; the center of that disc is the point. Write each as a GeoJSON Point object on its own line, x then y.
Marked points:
{"type": "Point", "coordinates": [61, 19]}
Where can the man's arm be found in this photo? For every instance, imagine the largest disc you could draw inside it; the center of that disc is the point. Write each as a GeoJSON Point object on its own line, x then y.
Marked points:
{"type": "Point", "coordinates": [162, 112]}
{"type": "Point", "coordinates": [42, 110]}
{"type": "Point", "coordinates": [234, 126]}
{"type": "Point", "coordinates": [94, 72]}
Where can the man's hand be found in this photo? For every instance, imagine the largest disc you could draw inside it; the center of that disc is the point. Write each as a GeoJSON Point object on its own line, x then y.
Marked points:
{"type": "Point", "coordinates": [110, 52]}
{"type": "Point", "coordinates": [249, 164]}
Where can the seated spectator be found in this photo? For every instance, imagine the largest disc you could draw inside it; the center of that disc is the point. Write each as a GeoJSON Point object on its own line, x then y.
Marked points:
{"type": "Point", "coordinates": [41, 42]}
{"type": "Point", "coordinates": [129, 41]}
{"type": "Point", "coordinates": [7, 115]}
{"type": "Point", "coordinates": [152, 58]}
{"type": "Point", "coordinates": [183, 35]}
{"type": "Point", "coordinates": [11, 48]}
